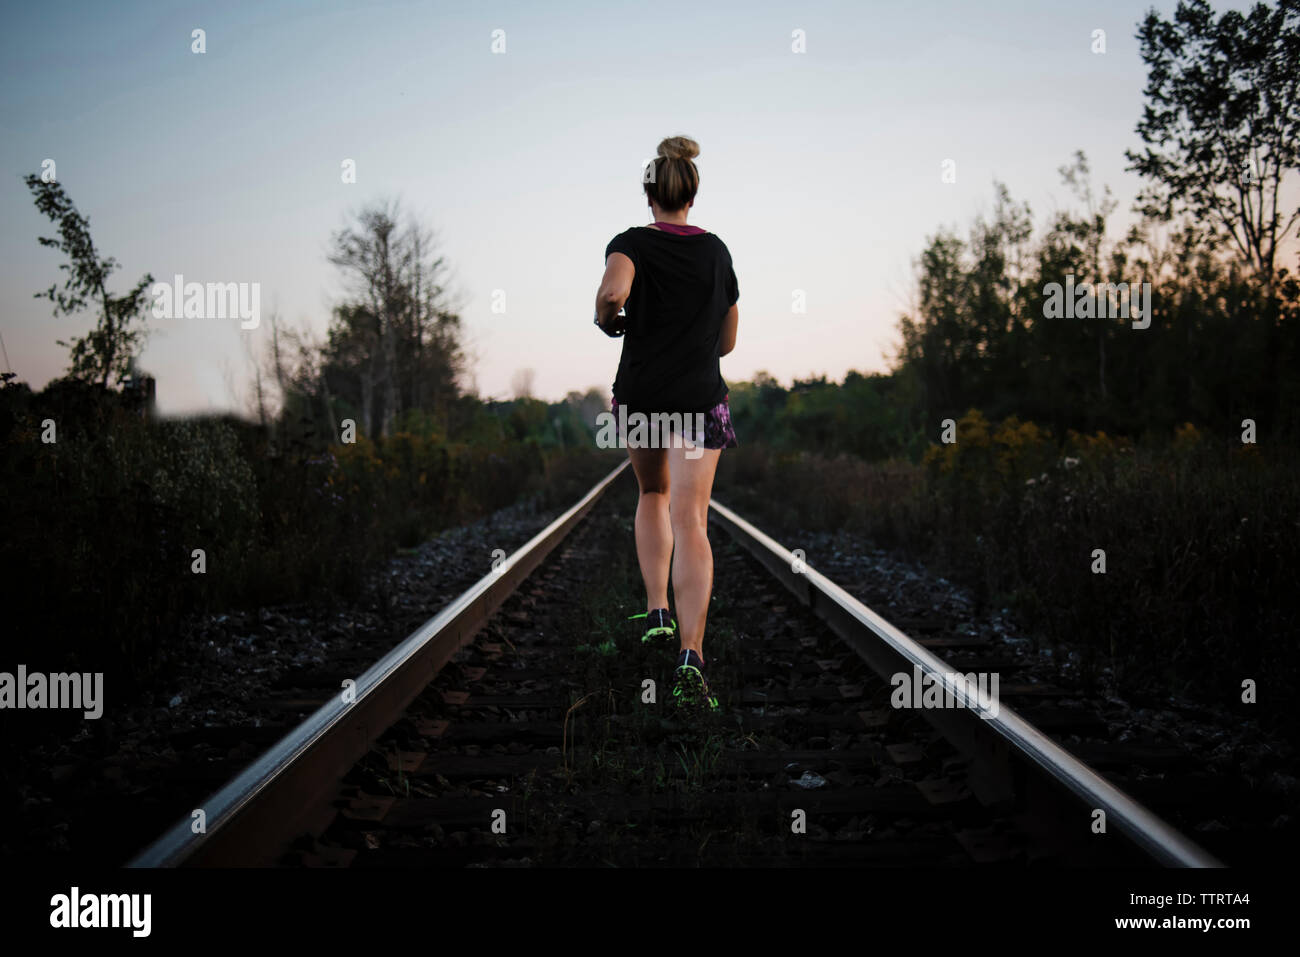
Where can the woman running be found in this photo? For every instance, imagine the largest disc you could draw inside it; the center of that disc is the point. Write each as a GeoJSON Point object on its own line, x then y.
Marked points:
{"type": "Point", "coordinates": [676, 285]}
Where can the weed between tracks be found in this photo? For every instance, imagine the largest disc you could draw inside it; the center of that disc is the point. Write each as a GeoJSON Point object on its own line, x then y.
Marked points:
{"type": "Point", "coordinates": [589, 755]}
{"type": "Point", "coordinates": [642, 783]}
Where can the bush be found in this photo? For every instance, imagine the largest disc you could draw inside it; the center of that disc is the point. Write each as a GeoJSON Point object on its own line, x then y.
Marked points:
{"type": "Point", "coordinates": [1201, 540]}
{"type": "Point", "coordinates": [101, 525]}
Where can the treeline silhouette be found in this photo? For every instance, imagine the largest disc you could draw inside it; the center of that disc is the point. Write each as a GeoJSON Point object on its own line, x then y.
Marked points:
{"type": "Point", "coordinates": [120, 524]}
{"type": "Point", "coordinates": [1221, 347]}
{"type": "Point", "coordinates": [1129, 492]}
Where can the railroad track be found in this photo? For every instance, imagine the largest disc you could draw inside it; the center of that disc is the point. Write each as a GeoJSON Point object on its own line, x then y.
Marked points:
{"type": "Point", "coordinates": [524, 725]}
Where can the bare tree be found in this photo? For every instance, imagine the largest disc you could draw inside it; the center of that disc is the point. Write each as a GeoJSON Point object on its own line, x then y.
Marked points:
{"type": "Point", "coordinates": [521, 383]}
{"type": "Point", "coordinates": [398, 334]}
{"type": "Point", "coordinates": [365, 255]}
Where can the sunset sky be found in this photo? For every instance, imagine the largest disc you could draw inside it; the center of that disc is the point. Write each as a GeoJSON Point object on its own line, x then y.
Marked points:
{"type": "Point", "coordinates": [820, 170]}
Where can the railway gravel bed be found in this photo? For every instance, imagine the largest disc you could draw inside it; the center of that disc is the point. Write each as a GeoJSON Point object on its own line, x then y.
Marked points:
{"type": "Point", "coordinates": [541, 744]}
{"type": "Point", "coordinates": [537, 745]}
{"type": "Point", "coordinates": [1209, 770]}
{"type": "Point", "coordinates": [240, 682]}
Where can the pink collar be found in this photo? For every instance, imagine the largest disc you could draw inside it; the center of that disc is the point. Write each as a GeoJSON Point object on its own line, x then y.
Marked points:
{"type": "Point", "coordinates": [679, 229]}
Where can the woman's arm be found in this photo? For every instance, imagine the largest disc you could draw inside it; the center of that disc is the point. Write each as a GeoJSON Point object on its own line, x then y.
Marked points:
{"type": "Point", "coordinates": [727, 335]}
{"type": "Point", "coordinates": [615, 287]}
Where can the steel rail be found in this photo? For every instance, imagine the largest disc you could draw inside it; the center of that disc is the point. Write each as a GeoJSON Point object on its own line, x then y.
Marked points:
{"type": "Point", "coordinates": [999, 741]}
{"type": "Point", "coordinates": [249, 820]}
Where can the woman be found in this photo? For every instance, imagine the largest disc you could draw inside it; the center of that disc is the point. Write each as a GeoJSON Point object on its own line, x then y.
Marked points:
{"type": "Point", "coordinates": [676, 284]}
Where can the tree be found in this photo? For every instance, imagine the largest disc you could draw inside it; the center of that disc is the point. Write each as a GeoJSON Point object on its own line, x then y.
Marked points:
{"type": "Point", "coordinates": [521, 383]}
{"type": "Point", "coordinates": [1222, 130]}
{"type": "Point", "coordinates": [394, 344]}
{"type": "Point", "coordinates": [108, 348]}
{"type": "Point", "coordinates": [1087, 236]}
{"type": "Point", "coordinates": [1222, 123]}
{"type": "Point", "coordinates": [587, 406]}
{"type": "Point", "coordinates": [366, 255]}
{"type": "Point", "coordinates": [936, 339]}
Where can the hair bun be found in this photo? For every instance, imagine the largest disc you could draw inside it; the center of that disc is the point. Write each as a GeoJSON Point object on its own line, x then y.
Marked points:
{"type": "Point", "coordinates": [672, 185]}
{"type": "Point", "coordinates": [679, 147]}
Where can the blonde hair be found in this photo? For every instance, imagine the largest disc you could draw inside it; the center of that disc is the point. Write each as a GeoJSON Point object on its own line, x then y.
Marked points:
{"type": "Point", "coordinates": [675, 180]}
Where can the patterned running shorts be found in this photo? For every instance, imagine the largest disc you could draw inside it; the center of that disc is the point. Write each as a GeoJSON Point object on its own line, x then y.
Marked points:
{"type": "Point", "coordinates": [718, 433]}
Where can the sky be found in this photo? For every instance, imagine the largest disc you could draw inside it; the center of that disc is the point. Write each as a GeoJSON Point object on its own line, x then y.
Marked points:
{"type": "Point", "coordinates": [821, 170]}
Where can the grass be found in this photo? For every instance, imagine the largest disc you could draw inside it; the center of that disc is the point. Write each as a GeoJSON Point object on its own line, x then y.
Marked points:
{"type": "Point", "coordinates": [614, 742]}
{"type": "Point", "coordinates": [1202, 542]}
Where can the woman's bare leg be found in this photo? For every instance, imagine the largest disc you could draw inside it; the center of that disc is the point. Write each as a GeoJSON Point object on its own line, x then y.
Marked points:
{"type": "Point", "coordinates": [692, 485]}
{"type": "Point", "coordinates": [654, 532]}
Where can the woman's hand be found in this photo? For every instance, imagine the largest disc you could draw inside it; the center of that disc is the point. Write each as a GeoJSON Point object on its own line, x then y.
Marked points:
{"type": "Point", "coordinates": [615, 287]}
{"type": "Point", "coordinates": [615, 327]}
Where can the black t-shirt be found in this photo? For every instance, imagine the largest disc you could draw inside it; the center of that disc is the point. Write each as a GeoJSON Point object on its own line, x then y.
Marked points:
{"type": "Point", "coordinates": [683, 288]}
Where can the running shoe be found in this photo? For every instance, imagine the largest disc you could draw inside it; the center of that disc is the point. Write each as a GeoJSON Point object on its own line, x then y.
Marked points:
{"type": "Point", "coordinates": [690, 687]}
{"type": "Point", "coordinates": [658, 624]}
